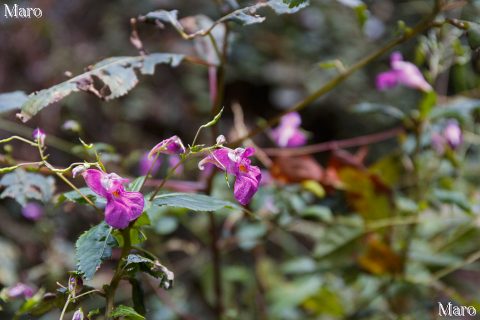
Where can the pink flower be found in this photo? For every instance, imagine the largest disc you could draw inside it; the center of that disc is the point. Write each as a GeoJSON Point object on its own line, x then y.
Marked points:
{"type": "Point", "coordinates": [32, 211]}
{"type": "Point", "coordinates": [122, 206]}
{"type": "Point", "coordinates": [288, 133]}
{"type": "Point", "coordinates": [146, 162]}
{"type": "Point", "coordinates": [39, 136]}
{"type": "Point", "coordinates": [451, 136]}
{"type": "Point", "coordinates": [172, 145]}
{"type": "Point", "coordinates": [402, 72]}
{"type": "Point", "coordinates": [20, 290]}
{"type": "Point", "coordinates": [237, 163]}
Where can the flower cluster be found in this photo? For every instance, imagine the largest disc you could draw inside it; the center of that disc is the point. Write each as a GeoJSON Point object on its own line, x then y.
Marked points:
{"type": "Point", "coordinates": [237, 163]}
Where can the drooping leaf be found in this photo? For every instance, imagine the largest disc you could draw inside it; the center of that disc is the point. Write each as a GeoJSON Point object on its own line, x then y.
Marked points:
{"type": "Point", "coordinates": [12, 101]}
{"type": "Point", "coordinates": [117, 75]}
{"type": "Point", "coordinates": [135, 263]}
{"type": "Point", "coordinates": [244, 16]}
{"type": "Point", "coordinates": [21, 186]}
{"type": "Point", "coordinates": [195, 202]}
{"type": "Point", "coordinates": [92, 248]}
{"type": "Point", "coordinates": [126, 312]}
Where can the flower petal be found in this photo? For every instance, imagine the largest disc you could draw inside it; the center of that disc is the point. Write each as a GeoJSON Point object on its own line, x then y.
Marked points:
{"type": "Point", "coordinates": [121, 210]}
{"type": "Point", "coordinates": [387, 80]}
{"type": "Point", "coordinates": [93, 178]}
{"type": "Point", "coordinates": [172, 145]}
{"type": "Point", "coordinates": [246, 185]}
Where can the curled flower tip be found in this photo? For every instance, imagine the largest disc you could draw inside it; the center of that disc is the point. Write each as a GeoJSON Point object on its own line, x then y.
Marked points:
{"type": "Point", "coordinates": [404, 73]}
{"type": "Point", "coordinates": [78, 315]}
{"type": "Point", "coordinates": [172, 145]}
{"type": "Point", "coordinates": [20, 290]}
{"type": "Point", "coordinates": [39, 136]}
{"type": "Point", "coordinates": [32, 211]}
{"type": "Point", "coordinates": [79, 170]}
{"type": "Point", "coordinates": [146, 162]}
{"type": "Point", "coordinates": [288, 133]}
{"type": "Point", "coordinates": [236, 162]}
{"type": "Point", "coordinates": [122, 206]}
{"type": "Point", "coordinates": [221, 140]}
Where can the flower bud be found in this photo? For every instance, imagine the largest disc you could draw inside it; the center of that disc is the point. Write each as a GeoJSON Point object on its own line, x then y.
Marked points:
{"type": "Point", "coordinates": [78, 315]}
{"type": "Point", "coordinates": [221, 139]}
{"type": "Point", "coordinates": [39, 136]}
{"type": "Point", "coordinates": [75, 284]}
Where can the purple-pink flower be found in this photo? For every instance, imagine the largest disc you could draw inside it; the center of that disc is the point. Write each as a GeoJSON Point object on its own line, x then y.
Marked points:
{"type": "Point", "coordinates": [32, 211]}
{"type": "Point", "coordinates": [402, 72]}
{"type": "Point", "coordinates": [39, 136]}
{"type": "Point", "coordinates": [20, 290]}
{"type": "Point", "coordinates": [237, 163]}
{"type": "Point", "coordinates": [122, 206]}
{"type": "Point", "coordinates": [78, 315]}
{"type": "Point", "coordinates": [172, 145]}
{"type": "Point", "coordinates": [451, 136]}
{"type": "Point", "coordinates": [288, 132]}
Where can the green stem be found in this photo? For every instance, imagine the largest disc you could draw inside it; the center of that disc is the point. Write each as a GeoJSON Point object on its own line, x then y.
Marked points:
{"type": "Point", "coordinates": [168, 176]}
{"type": "Point", "coordinates": [64, 310]}
{"type": "Point", "coordinates": [424, 25]}
{"type": "Point", "coordinates": [117, 276]}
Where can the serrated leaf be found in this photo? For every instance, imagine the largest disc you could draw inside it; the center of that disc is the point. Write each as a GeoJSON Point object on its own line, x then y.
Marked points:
{"type": "Point", "coordinates": [117, 74]}
{"type": "Point", "coordinates": [21, 186]}
{"type": "Point", "coordinates": [12, 101]}
{"type": "Point", "coordinates": [126, 312]}
{"type": "Point", "coordinates": [92, 248]}
{"type": "Point", "coordinates": [295, 3]}
{"type": "Point", "coordinates": [195, 202]}
{"type": "Point", "coordinates": [135, 263]}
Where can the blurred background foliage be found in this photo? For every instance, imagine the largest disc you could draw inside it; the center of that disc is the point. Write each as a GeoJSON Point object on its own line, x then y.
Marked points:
{"type": "Point", "coordinates": [377, 232]}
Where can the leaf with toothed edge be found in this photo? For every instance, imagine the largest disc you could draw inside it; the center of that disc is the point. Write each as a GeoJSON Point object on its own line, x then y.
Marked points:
{"type": "Point", "coordinates": [117, 75]}
{"type": "Point", "coordinates": [92, 248]}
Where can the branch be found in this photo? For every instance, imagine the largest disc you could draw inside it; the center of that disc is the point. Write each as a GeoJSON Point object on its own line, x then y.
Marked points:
{"type": "Point", "coordinates": [424, 25]}
{"type": "Point", "coordinates": [336, 144]}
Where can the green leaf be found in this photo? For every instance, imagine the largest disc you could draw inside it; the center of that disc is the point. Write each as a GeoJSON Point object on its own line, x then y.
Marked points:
{"type": "Point", "coordinates": [195, 202]}
{"type": "Point", "coordinates": [362, 14]}
{"type": "Point", "coordinates": [452, 197]}
{"type": "Point", "coordinates": [213, 121]}
{"type": "Point", "coordinates": [12, 101]}
{"type": "Point", "coordinates": [136, 184]}
{"type": "Point", "coordinates": [427, 103]}
{"type": "Point", "coordinates": [295, 3]}
{"type": "Point", "coordinates": [74, 196]}
{"type": "Point", "coordinates": [244, 16]}
{"type": "Point", "coordinates": [126, 312]}
{"type": "Point", "coordinates": [21, 185]}
{"type": "Point", "coordinates": [92, 248]}
{"type": "Point", "coordinates": [377, 108]}
{"type": "Point", "coordinates": [135, 263]}
{"type": "Point", "coordinates": [117, 74]}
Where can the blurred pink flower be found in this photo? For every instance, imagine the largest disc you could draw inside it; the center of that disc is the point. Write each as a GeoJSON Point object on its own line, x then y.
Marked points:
{"type": "Point", "coordinates": [402, 72]}
{"type": "Point", "coordinates": [78, 315]}
{"type": "Point", "coordinates": [146, 162]}
{"type": "Point", "coordinates": [20, 290]}
{"type": "Point", "coordinates": [451, 136]}
{"type": "Point", "coordinates": [122, 206]}
{"type": "Point", "coordinates": [288, 132]}
{"type": "Point", "coordinates": [237, 162]}
{"type": "Point", "coordinates": [32, 211]}
{"type": "Point", "coordinates": [174, 160]}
